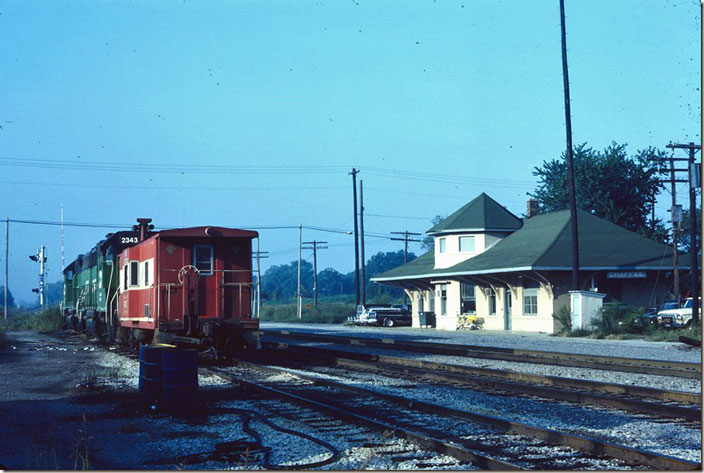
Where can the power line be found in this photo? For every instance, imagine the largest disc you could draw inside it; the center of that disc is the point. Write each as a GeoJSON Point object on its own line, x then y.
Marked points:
{"type": "Point", "coordinates": [167, 167]}
{"type": "Point", "coordinates": [179, 188]}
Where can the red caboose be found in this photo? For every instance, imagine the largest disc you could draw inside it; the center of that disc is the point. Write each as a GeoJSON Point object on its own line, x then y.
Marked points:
{"type": "Point", "coordinates": [193, 286]}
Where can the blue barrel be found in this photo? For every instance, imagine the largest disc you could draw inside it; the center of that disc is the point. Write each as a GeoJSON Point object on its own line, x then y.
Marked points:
{"type": "Point", "coordinates": [150, 370]}
{"type": "Point", "coordinates": [179, 374]}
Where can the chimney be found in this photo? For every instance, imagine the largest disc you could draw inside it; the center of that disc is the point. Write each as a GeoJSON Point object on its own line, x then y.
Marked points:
{"type": "Point", "coordinates": [532, 208]}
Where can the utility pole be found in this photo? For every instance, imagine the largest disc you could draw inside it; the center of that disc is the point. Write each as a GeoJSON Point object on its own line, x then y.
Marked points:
{"type": "Point", "coordinates": [694, 180]}
{"type": "Point", "coordinates": [356, 238]}
{"type": "Point", "coordinates": [676, 217]}
{"type": "Point", "coordinates": [315, 249]}
{"type": "Point", "coordinates": [7, 248]}
{"type": "Point", "coordinates": [259, 255]}
{"type": "Point", "coordinates": [405, 239]}
{"type": "Point", "coordinates": [570, 167]}
{"type": "Point", "coordinates": [361, 228]}
{"type": "Point", "coordinates": [62, 237]}
{"type": "Point", "coordinates": [299, 309]}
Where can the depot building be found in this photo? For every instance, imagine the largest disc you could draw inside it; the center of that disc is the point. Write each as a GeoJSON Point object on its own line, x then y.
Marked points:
{"type": "Point", "coordinates": [515, 273]}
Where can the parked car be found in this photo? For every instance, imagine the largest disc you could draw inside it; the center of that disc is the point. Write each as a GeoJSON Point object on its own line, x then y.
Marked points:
{"type": "Point", "coordinates": [678, 317]}
{"type": "Point", "coordinates": [650, 317]}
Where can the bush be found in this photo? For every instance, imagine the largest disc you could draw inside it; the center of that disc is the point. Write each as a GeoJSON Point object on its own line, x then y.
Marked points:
{"type": "Point", "coordinates": [618, 318]}
{"type": "Point", "coordinates": [325, 313]}
{"type": "Point", "coordinates": [563, 316]}
{"type": "Point", "coordinates": [47, 320]}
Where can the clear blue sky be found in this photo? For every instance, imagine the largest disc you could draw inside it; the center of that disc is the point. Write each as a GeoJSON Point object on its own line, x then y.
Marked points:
{"type": "Point", "coordinates": [251, 113]}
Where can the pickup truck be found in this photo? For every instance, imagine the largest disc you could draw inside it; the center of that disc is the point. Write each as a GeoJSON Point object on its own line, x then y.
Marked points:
{"type": "Point", "coordinates": [382, 315]}
{"type": "Point", "coordinates": [679, 317]}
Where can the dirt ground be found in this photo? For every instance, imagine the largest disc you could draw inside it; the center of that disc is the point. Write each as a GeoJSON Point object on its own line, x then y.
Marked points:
{"type": "Point", "coordinates": [56, 414]}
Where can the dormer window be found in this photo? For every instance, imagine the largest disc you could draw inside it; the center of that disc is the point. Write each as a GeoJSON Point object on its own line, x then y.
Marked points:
{"type": "Point", "coordinates": [441, 244]}
{"type": "Point", "coordinates": [466, 243]}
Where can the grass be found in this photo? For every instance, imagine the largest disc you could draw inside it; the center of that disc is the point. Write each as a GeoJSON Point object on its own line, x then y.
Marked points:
{"type": "Point", "coordinates": [47, 320]}
{"type": "Point", "coordinates": [325, 313]}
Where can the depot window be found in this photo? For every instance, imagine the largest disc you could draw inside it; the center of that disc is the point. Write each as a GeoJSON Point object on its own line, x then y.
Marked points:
{"type": "Point", "coordinates": [468, 298]}
{"type": "Point", "coordinates": [530, 302]}
{"type": "Point", "coordinates": [443, 299]}
{"type": "Point", "coordinates": [442, 245]}
{"type": "Point", "coordinates": [203, 259]}
{"type": "Point", "coordinates": [466, 243]}
{"type": "Point", "coordinates": [492, 302]}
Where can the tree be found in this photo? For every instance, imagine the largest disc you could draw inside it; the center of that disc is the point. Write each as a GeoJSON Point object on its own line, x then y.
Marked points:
{"type": "Point", "coordinates": [333, 283]}
{"type": "Point", "coordinates": [380, 263]}
{"type": "Point", "coordinates": [609, 184]}
{"type": "Point", "coordinates": [279, 282]}
{"type": "Point", "coordinates": [10, 299]}
{"type": "Point", "coordinates": [428, 242]}
{"type": "Point", "coordinates": [683, 240]}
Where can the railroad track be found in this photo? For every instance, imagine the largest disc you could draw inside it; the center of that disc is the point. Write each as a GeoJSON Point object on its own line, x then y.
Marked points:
{"type": "Point", "coordinates": [633, 365]}
{"type": "Point", "coordinates": [487, 442]}
{"type": "Point", "coordinates": [643, 400]}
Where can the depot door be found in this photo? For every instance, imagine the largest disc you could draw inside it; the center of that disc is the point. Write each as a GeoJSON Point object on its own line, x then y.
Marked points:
{"type": "Point", "coordinates": [507, 308]}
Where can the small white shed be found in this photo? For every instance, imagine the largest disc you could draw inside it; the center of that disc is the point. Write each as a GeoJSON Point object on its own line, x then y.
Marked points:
{"type": "Point", "coordinates": [586, 307]}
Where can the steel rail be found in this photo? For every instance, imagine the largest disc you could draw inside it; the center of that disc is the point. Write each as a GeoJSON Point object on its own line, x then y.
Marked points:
{"type": "Point", "coordinates": [584, 444]}
{"type": "Point", "coordinates": [435, 444]}
{"type": "Point", "coordinates": [634, 365]}
{"type": "Point", "coordinates": [437, 372]}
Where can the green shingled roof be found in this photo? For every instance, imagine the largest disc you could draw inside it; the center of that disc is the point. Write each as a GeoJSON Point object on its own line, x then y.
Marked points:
{"type": "Point", "coordinates": [544, 243]}
{"type": "Point", "coordinates": [421, 265]}
{"type": "Point", "coordinates": [481, 214]}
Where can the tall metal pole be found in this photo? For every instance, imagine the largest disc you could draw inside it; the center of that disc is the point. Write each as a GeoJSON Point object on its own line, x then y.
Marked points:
{"type": "Point", "coordinates": [299, 309]}
{"type": "Point", "coordinates": [7, 248]}
{"type": "Point", "coordinates": [361, 228]}
{"type": "Point", "coordinates": [693, 234]}
{"type": "Point", "coordinates": [356, 238]}
{"type": "Point", "coordinates": [570, 168]}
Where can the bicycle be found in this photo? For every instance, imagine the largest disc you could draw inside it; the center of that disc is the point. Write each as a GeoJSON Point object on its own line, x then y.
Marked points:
{"type": "Point", "coordinates": [469, 322]}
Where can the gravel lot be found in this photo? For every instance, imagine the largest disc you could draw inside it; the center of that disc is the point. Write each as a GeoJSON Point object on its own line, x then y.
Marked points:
{"type": "Point", "coordinates": [48, 423]}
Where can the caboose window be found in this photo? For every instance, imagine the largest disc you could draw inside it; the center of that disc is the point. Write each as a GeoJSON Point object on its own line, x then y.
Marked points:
{"type": "Point", "coordinates": [146, 273]}
{"type": "Point", "coordinates": [203, 259]}
{"type": "Point", "coordinates": [134, 273]}
{"type": "Point", "coordinates": [124, 271]}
